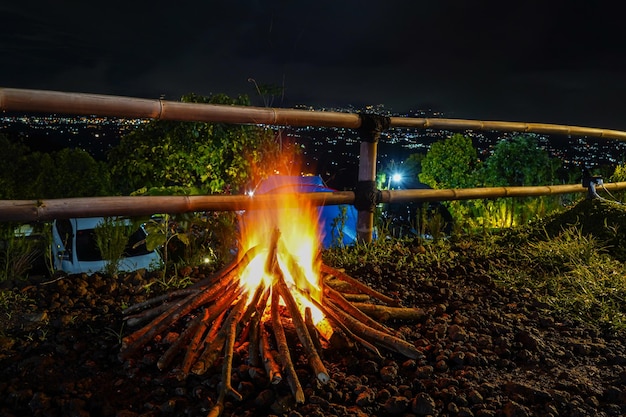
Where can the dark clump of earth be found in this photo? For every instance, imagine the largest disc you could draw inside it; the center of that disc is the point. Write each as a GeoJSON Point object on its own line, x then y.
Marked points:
{"type": "Point", "coordinates": [486, 350]}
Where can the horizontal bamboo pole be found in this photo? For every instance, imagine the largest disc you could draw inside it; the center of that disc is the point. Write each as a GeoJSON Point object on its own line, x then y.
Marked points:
{"type": "Point", "coordinates": [35, 210]}
{"type": "Point", "coordinates": [501, 126]}
{"type": "Point", "coordinates": [14, 99]}
{"type": "Point", "coordinates": [42, 210]}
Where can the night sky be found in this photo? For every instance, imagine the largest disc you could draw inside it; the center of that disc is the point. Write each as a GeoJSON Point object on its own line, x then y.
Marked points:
{"type": "Point", "coordinates": [533, 61]}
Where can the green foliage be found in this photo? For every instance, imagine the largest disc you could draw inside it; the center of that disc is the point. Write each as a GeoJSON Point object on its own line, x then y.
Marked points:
{"type": "Point", "coordinates": [10, 298]}
{"type": "Point", "coordinates": [571, 272]}
{"type": "Point", "coordinates": [192, 238]}
{"type": "Point", "coordinates": [338, 224]}
{"type": "Point", "coordinates": [603, 219]}
{"type": "Point", "coordinates": [70, 173]}
{"type": "Point", "coordinates": [452, 163]}
{"type": "Point", "coordinates": [12, 161]}
{"type": "Point", "coordinates": [161, 230]}
{"type": "Point", "coordinates": [170, 282]}
{"type": "Point", "coordinates": [17, 253]}
{"type": "Point", "coordinates": [209, 157]}
{"type": "Point", "coordinates": [519, 161]}
{"type": "Point", "coordinates": [619, 175]}
{"type": "Point", "coordinates": [111, 238]}
{"type": "Point", "coordinates": [63, 174]}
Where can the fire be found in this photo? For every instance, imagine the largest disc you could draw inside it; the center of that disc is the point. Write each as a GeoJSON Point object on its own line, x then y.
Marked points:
{"type": "Point", "coordinates": [296, 250]}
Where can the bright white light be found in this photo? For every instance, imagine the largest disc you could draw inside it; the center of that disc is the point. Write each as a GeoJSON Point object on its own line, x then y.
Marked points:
{"type": "Point", "coordinates": [396, 177]}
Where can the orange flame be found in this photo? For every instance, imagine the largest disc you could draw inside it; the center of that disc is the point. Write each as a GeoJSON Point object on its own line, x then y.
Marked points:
{"type": "Point", "coordinates": [296, 251]}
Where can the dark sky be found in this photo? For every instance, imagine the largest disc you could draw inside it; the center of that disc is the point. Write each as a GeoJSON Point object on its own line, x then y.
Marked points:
{"type": "Point", "coordinates": [533, 61]}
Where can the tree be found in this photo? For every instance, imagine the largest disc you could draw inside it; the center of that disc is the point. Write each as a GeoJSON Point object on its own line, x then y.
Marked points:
{"type": "Point", "coordinates": [11, 164]}
{"type": "Point", "coordinates": [452, 163]}
{"type": "Point", "coordinates": [63, 174]}
{"type": "Point", "coordinates": [68, 173]}
{"type": "Point", "coordinates": [520, 161]}
{"type": "Point", "coordinates": [196, 157]}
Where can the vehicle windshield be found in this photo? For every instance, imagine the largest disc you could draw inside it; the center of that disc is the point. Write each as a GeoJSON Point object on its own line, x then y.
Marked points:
{"type": "Point", "coordinates": [87, 248]}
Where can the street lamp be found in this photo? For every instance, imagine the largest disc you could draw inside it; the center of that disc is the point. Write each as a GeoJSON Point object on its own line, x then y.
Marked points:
{"type": "Point", "coordinates": [397, 177]}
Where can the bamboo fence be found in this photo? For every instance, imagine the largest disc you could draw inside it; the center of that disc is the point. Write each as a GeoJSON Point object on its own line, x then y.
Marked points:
{"type": "Point", "coordinates": [128, 107]}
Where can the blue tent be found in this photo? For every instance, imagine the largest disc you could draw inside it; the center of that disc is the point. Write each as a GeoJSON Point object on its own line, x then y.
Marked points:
{"type": "Point", "coordinates": [331, 217]}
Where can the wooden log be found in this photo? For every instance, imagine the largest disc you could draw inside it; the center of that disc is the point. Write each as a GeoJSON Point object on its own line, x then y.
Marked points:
{"type": "Point", "coordinates": [384, 339]}
{"type": "Point", "coordinates": [358, 284]}
{"type": "Point", "coordinates": [199, 342]}
{"type": "Point", "coordinates": [356, 298]}
{"type": "Point", "coordinates": [354, 312]}
{"type": "Point", "coordinates": [132, 343]}
{"type": "Point", "coordinates": [384, 313]}
{"type": "Point", "coordinates": [146, 315]}
{"type": "Point", "coordinates": [254, 351]}
{"type": "Point", "coordinates": [161, 298]}
{"type": "Point", "coordinates": [310, 326]}
{"type": "Point", "coordinates": [283, 350]}
{"type": "Point", "coordinates": [339, 322]}
{"type": "Point", "coordinates": [225, 284]}
{"type": "Point", "coordinates": [214, 344]}
{"type": "Point", "coordinates": [272, 368]}
{"type": "Point", "coordinates": [188, 338]}
{"type": "Point", "coordinates": [229, 329]}
{"type": "Point", "coordinates": [314, 359]}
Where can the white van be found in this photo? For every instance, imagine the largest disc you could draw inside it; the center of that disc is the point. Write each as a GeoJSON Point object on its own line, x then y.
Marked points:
{"type": "Point", "coordinates": [75, 251]}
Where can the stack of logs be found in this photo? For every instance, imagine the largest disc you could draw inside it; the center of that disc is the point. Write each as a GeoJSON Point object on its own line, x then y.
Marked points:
{"type": "Point", "coordinates": [222, 315]}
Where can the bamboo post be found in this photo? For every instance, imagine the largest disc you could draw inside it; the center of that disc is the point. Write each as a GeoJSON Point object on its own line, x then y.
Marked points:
{"type": "Point", "coordinates": [366, 192]}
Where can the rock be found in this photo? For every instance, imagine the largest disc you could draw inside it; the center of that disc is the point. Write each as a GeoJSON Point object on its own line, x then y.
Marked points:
{"type": "Point", "coordinates": [513, 409]}
{"type": "Point", "coordinates": [396, 405]}
{"type": "Point", "coordinates": [388, 373]}
{"type": "Point", "coordinates": [457, 333]}
{"type": "Point", "coordinates": [423, 405]}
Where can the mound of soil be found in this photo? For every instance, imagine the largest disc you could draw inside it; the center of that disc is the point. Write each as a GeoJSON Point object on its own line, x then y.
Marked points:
{"type": "Point", "coordinates": [485, 351]}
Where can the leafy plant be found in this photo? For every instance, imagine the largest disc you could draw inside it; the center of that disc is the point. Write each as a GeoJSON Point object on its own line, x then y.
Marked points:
{"type": "Point", "coordinates": [17, 252]}
{"type": "Point", "coordinates": [112, 238]}
{"type": "Point", "coordinates": [8, 298]}
{"type": "Point", "coordinates": [210, 157]}
{"type": "Point", "coordinates": [338, 224]}
{"type": "Point", "coordinates": [169, 282]}
{"type": "Point", "coordinates": [162, 230]}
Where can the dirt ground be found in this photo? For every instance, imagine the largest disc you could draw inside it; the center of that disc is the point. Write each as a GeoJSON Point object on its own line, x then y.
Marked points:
{"type": "Point", "coordinates": [485, 351]}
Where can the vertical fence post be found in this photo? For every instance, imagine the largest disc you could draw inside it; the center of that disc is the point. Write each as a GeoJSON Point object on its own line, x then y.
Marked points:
{"type": "Point", "coordinates": [367, 195]}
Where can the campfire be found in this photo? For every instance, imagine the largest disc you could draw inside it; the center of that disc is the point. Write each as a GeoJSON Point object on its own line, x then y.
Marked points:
{"type": "Point", "coordinates": [277, 282]}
